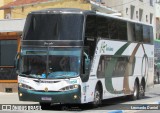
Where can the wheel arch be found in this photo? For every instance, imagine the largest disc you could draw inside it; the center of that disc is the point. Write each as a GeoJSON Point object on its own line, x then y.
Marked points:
{"type": "Point", "coordinates": [99, 85]}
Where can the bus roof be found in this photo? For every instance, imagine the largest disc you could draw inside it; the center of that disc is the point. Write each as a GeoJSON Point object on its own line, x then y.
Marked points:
{"type": "Point", "coordinates": [81, 11]}
{"type": "Point", "coordinates": [63, 10]}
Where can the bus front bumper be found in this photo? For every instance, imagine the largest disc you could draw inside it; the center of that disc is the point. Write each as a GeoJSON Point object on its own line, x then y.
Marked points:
{"type": "Point", "coordinates": [66, 97]}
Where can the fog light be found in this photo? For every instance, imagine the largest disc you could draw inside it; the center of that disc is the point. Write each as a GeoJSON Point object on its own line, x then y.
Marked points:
{"type": "Point", "coordinates": [75, 96]}
{"type": "Point", "coordinates": [20, 94]}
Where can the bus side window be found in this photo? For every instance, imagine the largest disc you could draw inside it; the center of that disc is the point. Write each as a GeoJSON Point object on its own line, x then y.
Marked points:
{"type": "Point", "coordinates": [139, 32]}
{"type": "Point", "coordinates": [90, 34]}
{"type": "Point", "coordinates": [112, 28]}
{"type": "Point", "coordinates": [146, 34]}
{"type": "Point", "coordinates": [102, 27]}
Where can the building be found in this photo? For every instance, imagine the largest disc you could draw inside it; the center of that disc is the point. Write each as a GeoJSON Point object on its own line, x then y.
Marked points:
{"type": "Point", "coordinates": [157, 15]}
{"type": "Point", "coordinates": [20, 8]}
{"type": "Point", "coordinates": [2, 12]}
{"type": "Point", "coordinates": [139, 10]}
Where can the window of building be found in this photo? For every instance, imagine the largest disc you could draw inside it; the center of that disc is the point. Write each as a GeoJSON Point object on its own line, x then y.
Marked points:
{"type": "Point", "coordinates": [146, 18]}
{"type": "Point", "coordinates": [151, 2]}
{"type": "Point", "coordinates": [136, 14]}
{"type": "Point", "coordinates": [132, 11]}
{"type": "Point", "coordinates": [140, 14]}
{"type": "Point", "coordinates": [141, 0]}
{"type": "Point", "coordinates": [8, 50]}
{"type": "Point", "coordinates": [151, 18]}
{"type": "Point", "coordinates": [126, 11]}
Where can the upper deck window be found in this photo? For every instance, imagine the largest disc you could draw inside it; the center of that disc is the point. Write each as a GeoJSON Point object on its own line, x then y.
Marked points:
{"type": "Point", "coordinates": [53, 27]}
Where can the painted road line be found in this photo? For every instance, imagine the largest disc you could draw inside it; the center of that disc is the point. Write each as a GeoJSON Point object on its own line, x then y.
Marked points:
{"type": "Point", "coordinates": [116, 111]}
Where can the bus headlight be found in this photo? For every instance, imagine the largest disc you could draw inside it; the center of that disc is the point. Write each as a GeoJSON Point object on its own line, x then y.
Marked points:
{"type": "Point", "coordinates": [71, 87]}
{"type": "Point", "coordinates": [25, 86]}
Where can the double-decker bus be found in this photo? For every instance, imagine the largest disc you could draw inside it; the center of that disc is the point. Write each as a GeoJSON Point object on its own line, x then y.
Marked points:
{"type": "Point", "coordinates": [76, 56]}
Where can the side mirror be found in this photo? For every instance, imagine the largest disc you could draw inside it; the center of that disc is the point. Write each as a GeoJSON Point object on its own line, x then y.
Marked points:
{"type": "Point", "coordinates": [87, 63]}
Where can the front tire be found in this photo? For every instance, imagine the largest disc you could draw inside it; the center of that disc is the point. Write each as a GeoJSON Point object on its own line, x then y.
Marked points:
{"type": "Point", "coordinates": [45, 106]}
{"type": "Point", "coordinates": [97, 97]}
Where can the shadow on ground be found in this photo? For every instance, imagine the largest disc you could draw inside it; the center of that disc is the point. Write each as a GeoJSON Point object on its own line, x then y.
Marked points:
{"type": "Point", "coordinates": [109, 104]}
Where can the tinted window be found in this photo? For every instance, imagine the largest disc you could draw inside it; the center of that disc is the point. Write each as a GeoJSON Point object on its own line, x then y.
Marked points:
{"type": "Point", "coordinates": [8, 50]}
{"type": "Point", "coordinates": [102, 27]}
{"type": "Point", "coordinates": [113, 29]}
{"type": "Point", "coordinates": [139, 32]}
{"type": "Point", "coordinates": [90, 30]}
{"type": "Point", "coordinates": [103, 64]}
{"type": "Point", "coordinates": [53, 27]}
{"type": "Point", "coordinates": [122, 30]}
{"type": "Point", "coordinates": [146, 34]}
{"type": "Point", "coordinates": [120, 66]}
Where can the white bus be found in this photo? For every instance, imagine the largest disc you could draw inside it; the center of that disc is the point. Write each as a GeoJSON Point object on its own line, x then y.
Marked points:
{"type": "Point", "coordinates": [76, 56]}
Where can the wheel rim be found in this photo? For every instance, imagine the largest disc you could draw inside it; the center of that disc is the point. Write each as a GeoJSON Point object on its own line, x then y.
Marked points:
{"type": "Point", "coordinates": [97, 98]}
{"type": "Point", "coordinates": [135, 91]}
{"type": "Point", "coordinates": [142, 90]}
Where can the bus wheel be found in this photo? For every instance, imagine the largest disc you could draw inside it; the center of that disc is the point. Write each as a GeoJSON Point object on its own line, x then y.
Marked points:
{"type": "Point", "coordinates": [45, 106]}
{"type": "Point", "coordinates": [135, 94]}
{"type": "Point", "coordinates": [97, 97]}
{"type": "Point", "coordinates": [141, 91]}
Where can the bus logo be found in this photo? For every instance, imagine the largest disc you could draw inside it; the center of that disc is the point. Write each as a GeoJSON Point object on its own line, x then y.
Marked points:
{"type": "Point", "coordinates": [46, 89]}
{"type": "Point", "coordinates": [104, 48]}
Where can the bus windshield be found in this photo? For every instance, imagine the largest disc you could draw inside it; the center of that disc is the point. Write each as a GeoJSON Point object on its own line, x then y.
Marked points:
{"type": "Point", "coordinates": [52, 63]}
{"type": "Point", "coordinates": [53, 27]}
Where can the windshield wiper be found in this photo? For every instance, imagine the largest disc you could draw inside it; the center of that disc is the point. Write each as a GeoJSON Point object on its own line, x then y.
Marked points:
{"type": "Point", "coordinates": [28, 75]}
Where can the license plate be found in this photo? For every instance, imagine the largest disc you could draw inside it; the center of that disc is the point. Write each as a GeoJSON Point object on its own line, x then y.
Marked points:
{"type": "Point", "coordinates": [46, 98]}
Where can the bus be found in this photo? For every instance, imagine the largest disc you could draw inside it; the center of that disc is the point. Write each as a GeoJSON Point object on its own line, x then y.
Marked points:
{"type": "Point", "coordinates": [74, 56]}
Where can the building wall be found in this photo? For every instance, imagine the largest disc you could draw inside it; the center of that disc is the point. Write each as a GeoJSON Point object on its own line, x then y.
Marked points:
{"type": "Point", "coordinates": [5, 86]}
{"type": "Point", "coordinates": [125, 7]}
{"type": "Point", "coordinates": [21, 12]}
{"type": "Point", "coordinates": [2, 12]}
{"type": "Point", "coordinates": [157, 14]}
{"type": "Point", "coordinates": [114, 4]}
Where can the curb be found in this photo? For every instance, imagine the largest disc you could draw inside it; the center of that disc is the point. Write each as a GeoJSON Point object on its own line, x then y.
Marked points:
{"type": "Point", "coordinates": [116, 111]}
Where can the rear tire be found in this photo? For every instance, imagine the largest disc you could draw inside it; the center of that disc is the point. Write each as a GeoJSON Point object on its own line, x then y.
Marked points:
{"type": "Point", "coordinates": [135, 94]}
{"type": "Point", "coordinates": [142, 91]}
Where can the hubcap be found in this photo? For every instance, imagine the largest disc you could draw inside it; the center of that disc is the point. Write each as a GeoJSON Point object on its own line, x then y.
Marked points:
{"type": "Point", "coordinates": [135, 91]}
{"type": "Point", "coordinates": [97, 97]}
